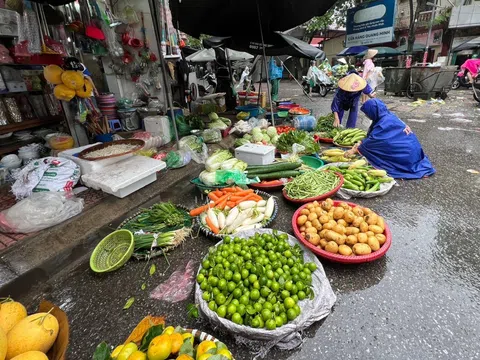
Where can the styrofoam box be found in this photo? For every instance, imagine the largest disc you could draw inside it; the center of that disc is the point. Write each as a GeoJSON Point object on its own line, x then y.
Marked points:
{"type": "Point", "coordinates": [88, 166]}
{"type": "Point", "coordinates": [125, 177]}
{"type": "Point", "coordinates": [158, 126]}
{"type": "Point", "coordinates": [254, 154]}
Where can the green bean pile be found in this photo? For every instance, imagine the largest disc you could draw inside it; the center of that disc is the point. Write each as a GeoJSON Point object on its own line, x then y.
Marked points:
{"type": "Point", "coordinates": [311, 184]}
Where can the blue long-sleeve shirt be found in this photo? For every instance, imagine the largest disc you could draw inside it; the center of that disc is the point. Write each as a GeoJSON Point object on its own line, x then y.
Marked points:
{"type": "Point", "coordinates": [345, 98]}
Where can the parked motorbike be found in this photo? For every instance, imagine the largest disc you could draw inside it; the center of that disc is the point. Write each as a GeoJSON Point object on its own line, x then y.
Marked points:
{"type": "Point", "coordinates": [319, 87]}
{"type": "Point", "coordinates": [461, 80]}
{"type": "Point", "coordinates": [210, 86]}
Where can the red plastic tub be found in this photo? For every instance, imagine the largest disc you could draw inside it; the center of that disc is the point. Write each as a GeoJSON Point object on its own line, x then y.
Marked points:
{"type": "Point", "coordinates": [337, 257]}
{"type": "Point", "coordinates": [316, 198]}
{"type": "Point", "coordinates": [273, 186]}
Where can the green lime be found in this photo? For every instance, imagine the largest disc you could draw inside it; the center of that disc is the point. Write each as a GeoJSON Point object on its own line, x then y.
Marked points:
{"type": "Point", "coordinates": [288, 254]}
{"type": "Point", "coordinates": [235, 302]}
{"type": "Point", "coordinates": [231, 286]}
{"type": "Point", "coordinates": [291, 314]}
{"type": "Point", "coordinates": [307, 271]}
{"type": "Point", "coordinates": [213, 280]}
{"type": "Point", "coordinates": [220, 299]}
{"type": "Point", "coordinates": [269, 274]}
{"type": "Point", "coordinates": [275, 286]}
{"type": "Point", "coordinates": [237, 240]}
{"type": "Point", "coordinates": [297, 309]}
{"type": "Point", "coordinates": [252, 278]}
{"type": "Point", "coordinates": [284, 317]}
{"type": "Point", "coordinates": [222, 284]}
{"type": "Point", "coordinates": [227, 240]}
{"type": "Point", "coordinates": [288, 285]}
{"type": "Point", "coordinates": [301, 295]}
{"type": "Point", "coordinates": [237, 277]}
{"type": "Point", "coordinates": [228, 275]}
{"type": "Point", "coordinates": [256, 285]}
{"type": "Point", "coordinates": [278, 321]}
{"type": "Point", "coordinates": [234, 267]}
{"type": "Point", "coordinates": [294, 289]}
{"type": "Point", "coordinates": [303, 276]}
{"type": "Point", "coordinates": [254, 295]}
{"type": "Point", "coordinates": [222, 311]}
{"type": "Point", "coordinates": [264, 291]}
{"type": "Point", "coordinates": [271, 324]}
{"type": "Point", "coordinates": [203, 271]}
{"type": "Point", "coordinates": [200, 278]}
{"type": "Point", "coordinates": [212, 305]}
{"type": "Point", "coordinates": [289, 303]}
{"type": "Point", "coordinates": [241, 309]}
{"type": "Point", "coordinates": [295, 298]}
{"type": "Point", "coordinates": [284, 294]}
{"type": "Point", "coordinates": [267, 305]}
{"type": "Point", "coordinates": [237, 293]}
{"type": "Point", "coordinates": [244, 300]}
{"type": "Point", "coordinates": [258, 307]}
{"type": "Point", "coordinates": [300, 285]}
{"type": "Point", "coordinates": [255, 323]}
{"type": "Point", "coordinates": [266, 314]}
{"type": "Point", "coordinates": [231, 309]}
{"type": "Point", "coordinates": [272, 298]}
{"type": "Point", "coordinates": [206, 264]}
{"type": "Point", "coordinates": [295, 278]}
{"type": "Point", "coordinates": [311, 266]}
{"type": "Point", "coordinates": [237, 319]}
{"type": "Point", "coordinates": [245, 274]}
{"type": "Point", "coordinates": [206, 296]}
{"type": "Point", "coordinates": [204, 284]}
{"type": "Point", "coordinates": [246, 283]}
{"type": "Point", "coordinates": [216, 291]}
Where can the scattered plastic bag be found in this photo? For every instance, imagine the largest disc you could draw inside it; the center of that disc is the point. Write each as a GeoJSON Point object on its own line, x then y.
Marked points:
{"type": "Point", "coordinates": [231, 177]}
{"type": "Point", "coordinates": [212, 136]}
{"type": "Point", "coordinates": [376, 78]}
{"type": "Point", "coordinates": [39, 211]}
{"type": "Point", "coordinates": [178, 286]}
{"type": "Point", "coordinates": [196, 147]}
{"type": "Point", "coordinates": [177, 159]}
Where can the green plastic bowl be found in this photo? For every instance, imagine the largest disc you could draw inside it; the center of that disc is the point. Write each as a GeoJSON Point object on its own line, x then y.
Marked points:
{"type": "Point", "coordinates": [112, 252]}
{"type": "Point", "coordinates": [312, 162]}
{"type": "Point", "coordinates": [282, 114]}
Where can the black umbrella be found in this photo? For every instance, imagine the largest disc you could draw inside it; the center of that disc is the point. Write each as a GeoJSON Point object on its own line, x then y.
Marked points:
{"type": "Point", "coordinates": [352, 50]}
{"type": "Point", "coordinates": [239, 18]}
{"type": "Point", "coordinates": [277, 44]}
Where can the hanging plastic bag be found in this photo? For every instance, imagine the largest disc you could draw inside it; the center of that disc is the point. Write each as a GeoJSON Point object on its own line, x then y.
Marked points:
{"type": "Point", "coordinates": [39, 211]}
{"type": "Point", "coordinates": [196, 147]}
{"type": "Point", "coordinates": [178, 286]}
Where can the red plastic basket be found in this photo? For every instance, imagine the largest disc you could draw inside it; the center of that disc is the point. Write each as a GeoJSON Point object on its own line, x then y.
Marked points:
{"type": "Point", "coordinates": [316, 198]}
{"type": "Point", "coordinates": [268, 187]}
{"type": "Point", "coordinates": [337, 257]}
{"type": "Point", "coordinates": [325, 140]}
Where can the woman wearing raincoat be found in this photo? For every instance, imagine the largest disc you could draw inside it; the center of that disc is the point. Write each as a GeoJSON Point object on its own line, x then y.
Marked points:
{"type": "Point", "coordinates": [391, 145]}
{"type": "Point", "coordinates": [350, 88]}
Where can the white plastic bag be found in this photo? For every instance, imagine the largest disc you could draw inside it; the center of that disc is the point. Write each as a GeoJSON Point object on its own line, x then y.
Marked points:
{"type": "Point", "coordinates": [376, 78]}
{"type": "Point", "coordinates": [39, 211]}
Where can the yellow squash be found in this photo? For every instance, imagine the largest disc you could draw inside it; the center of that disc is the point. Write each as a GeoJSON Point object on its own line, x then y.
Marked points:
{"type": "Point", "coordinates": [35, 332]}
{"type": "Point", "coordinates": [3, 345]}
{"type": "Point", "coordinates": [11, 312]}
{"type": "Point", "coordinates": [127, 350]}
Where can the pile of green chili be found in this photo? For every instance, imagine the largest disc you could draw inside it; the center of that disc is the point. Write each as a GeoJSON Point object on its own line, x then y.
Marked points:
{"type": "Point", "coordinates": [311, 184]}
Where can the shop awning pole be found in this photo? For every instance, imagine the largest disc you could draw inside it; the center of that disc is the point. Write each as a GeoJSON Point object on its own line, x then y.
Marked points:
{"type": "Point", "coordinates": [158, 35]}
{"type": "Point", "coordinates": [265, 64]}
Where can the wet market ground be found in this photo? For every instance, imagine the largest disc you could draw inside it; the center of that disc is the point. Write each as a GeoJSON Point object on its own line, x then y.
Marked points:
{"type": "Point", "coordinates": [420, 301]}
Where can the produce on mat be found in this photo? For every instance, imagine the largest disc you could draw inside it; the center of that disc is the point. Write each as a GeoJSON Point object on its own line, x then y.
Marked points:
{"type": "Point", "coordinates": [150, 340]}
{"type": "Point", "coordinates": [286, 140]}
{"type": "Point", "coordinates": [233, 209]}
{"type": "Point", "coordinates": [311, 184]}
{"type": "Point", "coordinates": [218, 122]}
{"type": "Point", "coordinates": [334, 155]}
{"type": "Point", "coordinates": [257, 282]}
{"type": "Point", "coordinates": [278, 170]}
{"type": "Point", "coordinates": [220, 160]}
{"type": "Point", "coordinates": [325, 128]}
{"type": "Point", "coordinates": [349, 137]}
{"type": "Point", "coordinates": [343, 229]}
{"type": "Point", "coordinates": [360, 177]}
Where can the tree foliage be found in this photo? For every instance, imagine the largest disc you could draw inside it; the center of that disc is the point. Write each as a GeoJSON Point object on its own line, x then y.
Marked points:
{"type": "Point", "coordinates": [336, 16]}
{"type": "Point", "coordinates": [196, 43]}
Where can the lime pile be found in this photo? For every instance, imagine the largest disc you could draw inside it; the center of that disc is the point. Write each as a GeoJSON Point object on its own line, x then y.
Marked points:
{"type": "Point", "coordinates": [256, 281]}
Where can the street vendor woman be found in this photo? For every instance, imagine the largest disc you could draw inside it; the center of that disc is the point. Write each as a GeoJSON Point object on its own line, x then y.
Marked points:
{"type": "Point", "coordinates": [350, 88]}
{"type": "Point", "coordinates": [391, 145]}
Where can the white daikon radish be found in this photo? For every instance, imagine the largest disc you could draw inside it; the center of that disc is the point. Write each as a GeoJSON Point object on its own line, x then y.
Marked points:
{"type": "Point", "coordinates": [232, 215]}
{"type": "Point", "coordinates": [261, 203]}
{"type": "Point", "coordinates": [213, 218]}
{"type": "Point", "coordinates": [221, 220]}
{"type": "Point", "coordinates": [244, 215]}
{"type": "Point", "coordinates": [261, 209]}
{"type": "Point", "coordinates": [269, 208]}
{"type": "Point", "coordinates": [254, 220]}
{"type": "Point", "coordinates": [247, 227]}
{"type": "Point", "coordinates": [247, 204]}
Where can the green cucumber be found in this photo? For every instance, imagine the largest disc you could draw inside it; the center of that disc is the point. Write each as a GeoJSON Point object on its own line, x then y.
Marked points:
{"type": "Point", "coordinates": [375, 187]}
{"type": "Point", "coordinates": [349, 185]}
{"type": "Point", "coordinates": [276, 175]}
{"type": "Point", "coordinates": [265, 169]}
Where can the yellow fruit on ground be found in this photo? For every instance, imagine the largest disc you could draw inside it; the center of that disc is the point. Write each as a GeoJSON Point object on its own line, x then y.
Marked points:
{"type": "Point", "coordinates": [138, 355]}
{"type": "Point", "coordinates": [62, 92]}
{"type": "Point", "coordinates": [35, 332]}
{"type": "Point", "coordinates": [3, 344]}
{"type": "Point", "coordinates": [53, 74]}
{"type": "Point", "coordinates": [177, 342]}
{"type": "Point", "coordinates": [225, 353]}
{"type": "Point", "coordinates": [31, 355]}
{"type": "Point", "coordinates": [169, 330]}
{"type": "Point", "coordinates": [127, 351]}
{"type": "Point", "coordinates": [86, 90]}
{"type": "Point", "coordinates": [204, 346]}
{"type": "Point", "coordinates": [188, 336]}
{"type": "Point", "coordinates": [184, 357]}
{"type": "Point", "coordinates": [204, 356]}
{"type": "Point", "coordinates": [160, 348]}
{"type": "Point", "coordinates": [11, 312]}
{"type": "Point", "coordinates": [116, 351]}
{"type": "Point", "coordinates": [73, 79]}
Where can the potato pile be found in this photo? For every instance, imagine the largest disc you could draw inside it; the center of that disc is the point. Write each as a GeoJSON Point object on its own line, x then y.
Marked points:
{"type": "Point", "coordinates": [342, 229]}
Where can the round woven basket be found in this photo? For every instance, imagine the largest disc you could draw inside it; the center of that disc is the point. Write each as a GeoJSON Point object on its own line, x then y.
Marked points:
{"type": "Point", "coordinates": [139, 144]}
{"type": "Point", "coordinates": [112, 252]}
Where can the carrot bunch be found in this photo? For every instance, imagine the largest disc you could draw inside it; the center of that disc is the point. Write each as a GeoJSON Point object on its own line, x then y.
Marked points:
{"type": "Point", "coordinates": [231, 197]}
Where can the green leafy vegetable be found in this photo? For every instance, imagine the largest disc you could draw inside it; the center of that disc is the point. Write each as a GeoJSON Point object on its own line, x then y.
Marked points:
{"type": "Point", "coordinates": [129, 303]}
{"type": "Point", "coordinates": [102, 352]}
{"type": "Point", "coordinates": [195, 121]}
{"type": "Point", "coordinates": [192, 311]}
{"type": "Point", "coordinates": [286, 140]}
{"type": "Point", "coordinates": [144, 286]}
{"type": "Point", "coordinates": [153, 332]}
{"type": "Point", "coordinates": [325, 126]}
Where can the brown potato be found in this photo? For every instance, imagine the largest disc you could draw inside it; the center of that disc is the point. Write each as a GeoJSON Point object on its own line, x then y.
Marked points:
{"type": "Point", "coordinates": [363, 227]}
{"type": "Point", "coordinates": [351, 240]}
{"type": "Point", "coordinates": [308, 224]}
{"type": "Point", "coordinates": [342, 222]}
{"type": "Point", "coordinates": [376, 229]}
{"type": "Point", "coordinates": [345, 250]}
{"type": "Point", "coordinates": [366, 211]}
{"type": "Point", "coordinates": [303, 234]}
{"type": "Point", "coordinates": [324, 219]}
{"type": "Point", "coordinates": [312, 216]}
{"type": "Point", "coordinates": [302, 228]}
{"type": "Point", "coordinates": [311, 230]}
{"type": "Point", "coordinates": [316, 224]}
{"type": "Point", "coordinates": [349, 216]}
{"type": "Point", "coordinates": [332, 247]}
{"type": "Point", "coordinates": [358, 220]}
{"type": "Point", "coordinates": [381, 222]}
{"type": "Point", "coordinates": [322, 233]}
{"type": "Point", "coordinates": [315, 203]}
{"type": "Point", "coordinates": [304, 212]}
{"type": "Point", "coordinates": [371, 219]}
{"type": "Point", "coordinates": [327, 226]}
{"type": "Point", "coordinates": [323, 243]}
{"type": "Point", "coordinates": [313, 239]}
{"type": "Point", "coordinates": [350, 230]}
{"type": "Point", "coordinates": [339, 229]}
{"type": "Point", "coordinates": [343, 205]}
{"type": "Point", "coordinates": [357, 210]}
{"type": "Point", "coordinates": [362, 238]}
{"type": "Point", "coordinates": [333, 222]}
{"type": "Point", "coordinates": [361, 249]}
{"type": "Point", "coordinates": [327, 205]}
{"type": "Point", "coordinates": [319, 211]}
{"type": "Point", "coordinates": [370, 233]}
{"type": "Point", "coordinates": [301, 220]}
{"type": "Point", "coordinates": [310, 206]}
{"type": "Point", "coordinates": [332, 236]}
{"type": "Point", "coordinates": [341, 240]}
{"type": "Point", "coordinates": [373, 243]}
{"type": "Point", "coordinates": [338, 213]}
{"type": "Point", "coordinates": [381, 238]}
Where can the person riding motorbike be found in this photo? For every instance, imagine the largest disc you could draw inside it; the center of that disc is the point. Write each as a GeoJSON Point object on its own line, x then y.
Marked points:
{"type": "Point", "coordinates": [315, 77]}
{"type": "Point", "coordinates": [471, 67]}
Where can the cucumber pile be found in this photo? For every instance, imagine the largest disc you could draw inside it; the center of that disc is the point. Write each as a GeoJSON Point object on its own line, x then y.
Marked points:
{"type": "Point", "coordinates": [349, 137]}
{"type": "Point", "coordinates": [274, 171]}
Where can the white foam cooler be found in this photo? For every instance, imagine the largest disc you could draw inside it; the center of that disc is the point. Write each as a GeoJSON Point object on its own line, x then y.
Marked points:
{"type": "Point", "coordinates": [254, 154]}
{"type": "Point", "coordinates": [125, 177]}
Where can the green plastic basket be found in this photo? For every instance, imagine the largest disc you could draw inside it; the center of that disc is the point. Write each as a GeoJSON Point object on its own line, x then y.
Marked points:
{"type": "Point", "coordinates": [312, 161]}
{"type": "Point", "coordinates": [112, 252]}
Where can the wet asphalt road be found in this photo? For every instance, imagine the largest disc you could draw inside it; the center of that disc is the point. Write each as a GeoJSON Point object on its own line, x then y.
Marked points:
{"type": "Point", "coordinates": [420, 301]}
